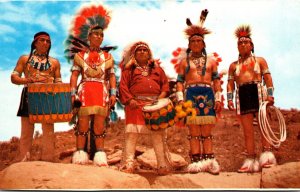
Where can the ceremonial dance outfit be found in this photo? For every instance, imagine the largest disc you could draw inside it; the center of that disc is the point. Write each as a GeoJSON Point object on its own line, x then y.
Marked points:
{"type": "Point", "coordinates": [247, 73]}
{"type": "Point", "coordinates": [142, 85]}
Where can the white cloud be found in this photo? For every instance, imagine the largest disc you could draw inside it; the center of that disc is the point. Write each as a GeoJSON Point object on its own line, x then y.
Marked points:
{"type": "Point", "coordinates": [4, 29]}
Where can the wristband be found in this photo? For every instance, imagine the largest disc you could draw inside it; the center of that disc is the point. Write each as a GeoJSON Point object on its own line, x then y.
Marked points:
{"type": "Point", "coordinates": [229, 96]}
{"type": "Point", "coordinates": [270, 91]}
{"type": "Point", "coordinates": [113, 91]}
{"type": "Point", "coordinates": [73, 91]}
{"type": "Point", "coordinates": [218, 96]}
{"type": "Point", "coordinates": [179, 96]}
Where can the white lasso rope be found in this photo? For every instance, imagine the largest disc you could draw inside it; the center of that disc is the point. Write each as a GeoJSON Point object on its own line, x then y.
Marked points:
{"type": "Point", "coordinates": [265, 127]}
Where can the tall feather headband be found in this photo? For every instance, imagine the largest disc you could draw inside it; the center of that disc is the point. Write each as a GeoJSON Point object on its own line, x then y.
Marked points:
{"type": "Point", "coordinates": [243, 32]}
{"type": "Point", "coordinates": [198, 29]}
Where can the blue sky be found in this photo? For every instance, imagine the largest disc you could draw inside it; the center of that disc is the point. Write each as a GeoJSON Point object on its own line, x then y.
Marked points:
{"type": "Point", "coordinates": [275, 28]}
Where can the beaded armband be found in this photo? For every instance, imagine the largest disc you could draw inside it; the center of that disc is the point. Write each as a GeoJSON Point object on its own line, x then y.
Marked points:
{"type": "Point", "coordinates": [218, 96]}
{"type": "Point", "coordinates": [270, 91]}
{"type": "Point", "coordinates": [113, 91]}
{"type": "Point", "coordinates": [180, 78]}
{"type": "Point", "coordinates": [229, 96]}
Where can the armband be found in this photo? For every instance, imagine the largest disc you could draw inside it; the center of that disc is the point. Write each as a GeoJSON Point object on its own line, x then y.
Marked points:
{"type": "Point", "coordinates": [270, 91]}
{"type": "Point", "coordinates": [229, 96]}
{"type": "Point", "coordinates": [266, 71]}
{"type": "Point", "coordinates": [218, 96]}
{"type": "Point", "coordinates": [113, 91]}
{"type": "Point", "coordinates": [180, 78]}
{"type": "Point", "coordinates": [73, 92]}
{"type": "Point", "coordinates": [57, 80]}
{"type": "Point", "coordinates": [16, 73]}
{"type": "Point", "coordinates": [179, 96]}
{"type": "Point", "coordinates": [215, 75]}
{"type": "Point", "coordinates": [112, 70]}
{"type": "Point", "coordinates": [230, 77]}
{"type": "Point", "coordinates": [75, 68]}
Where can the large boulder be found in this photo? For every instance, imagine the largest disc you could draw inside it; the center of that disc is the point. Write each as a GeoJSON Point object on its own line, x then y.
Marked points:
{"type": "Point", "coordinates": [283, 176]}
{"type": "Point", "coordinates": [44, 175]}
{"type": "Point", "coordinates": [206, 180]}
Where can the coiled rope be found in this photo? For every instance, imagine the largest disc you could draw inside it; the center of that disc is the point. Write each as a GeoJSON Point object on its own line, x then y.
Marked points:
{"type": "Point", "coordinates": [266, 129]}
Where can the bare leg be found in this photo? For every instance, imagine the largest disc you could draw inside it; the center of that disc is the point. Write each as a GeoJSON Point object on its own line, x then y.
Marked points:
{"type": "Point", "coordinates": [207, 143]}
{"type": "Point", "coordinates": [246, 121]}
{"type": "Point", "coordinates": [195, 143]}
{"type": "Point", "coordinates": [27, 130]}
{"type": "Point", "coordinates": [83, 128]}
{"type": "Point", "coordinates": [98, 130]}
{"type": "Point", "coordinates": [48, 152]}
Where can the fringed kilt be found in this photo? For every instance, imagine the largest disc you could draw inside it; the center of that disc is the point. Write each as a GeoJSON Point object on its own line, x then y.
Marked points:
{"type": "Point", "coordinates": [93, 96]}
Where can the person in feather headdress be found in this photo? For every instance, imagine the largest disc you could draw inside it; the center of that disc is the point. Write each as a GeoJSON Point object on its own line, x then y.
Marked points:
{"type": "Point", "coordinates": [198, 77]}
{"type": "Point", "coordinates": [96, 67]}
{"type": "Point", "coordinates": [143, 81]}
{"type": "Point", "coordinates": [246, 75]}
{"type": "Point", "coordinates": [38, 67]}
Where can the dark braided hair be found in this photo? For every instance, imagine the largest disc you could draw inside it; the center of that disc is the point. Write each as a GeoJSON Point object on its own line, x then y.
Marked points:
{"type": "Point", "coordinates": [33, 46]}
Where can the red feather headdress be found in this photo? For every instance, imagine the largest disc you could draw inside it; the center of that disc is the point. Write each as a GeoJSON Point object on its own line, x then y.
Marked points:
{"type": "Point", "coordinates": [243, 32]}
{"type": "Point", "coordinates": [88, 17]}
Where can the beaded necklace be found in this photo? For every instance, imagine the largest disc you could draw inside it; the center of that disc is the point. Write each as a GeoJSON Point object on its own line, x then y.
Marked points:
{"type": "Point", "coordinates": [144, 70]}
{"type": "Point", "coordinates": [36, 62]}
{"type": "Point", "coordinates": [199, 63]}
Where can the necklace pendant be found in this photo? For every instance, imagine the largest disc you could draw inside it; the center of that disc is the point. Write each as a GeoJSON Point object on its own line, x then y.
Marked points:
{"type": "Point", "coordinates": [145, 73]}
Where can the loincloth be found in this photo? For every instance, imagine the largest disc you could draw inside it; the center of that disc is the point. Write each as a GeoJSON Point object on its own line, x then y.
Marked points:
{"type": "Point", "coordinates": [203, 101]}
{"type": "Point", "coordinates": [249, 97]}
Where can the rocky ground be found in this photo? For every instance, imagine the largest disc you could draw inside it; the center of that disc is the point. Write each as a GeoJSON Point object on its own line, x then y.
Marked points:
{"type": "Point", "coordinates": [228, 143]}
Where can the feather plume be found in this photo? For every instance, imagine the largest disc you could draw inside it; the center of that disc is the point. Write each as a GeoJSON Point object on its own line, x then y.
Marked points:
{"type": "Point", "coordinates": [178, 55]}
{"type": "Point", "coordinates": [88, 17]}
{"type": "Point", "coordinates": [243, 31]}
{"type": "Point", "coordinates": [188, 22]}
{"type": "Point", "coordinates": [203, 15]}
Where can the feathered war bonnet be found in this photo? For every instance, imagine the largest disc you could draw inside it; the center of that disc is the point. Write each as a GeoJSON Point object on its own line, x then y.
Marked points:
{"type": "Point", "coordinates": [243, 33]}
{"type": "Point", "coordinates": [128, 59]}
{"type": "Point", "coordinates": [89, 18]}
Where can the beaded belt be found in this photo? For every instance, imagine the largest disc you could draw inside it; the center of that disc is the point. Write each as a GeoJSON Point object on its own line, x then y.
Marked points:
{"type": "Point", "coordinates": [197, 85]}
{"type": "Point", "coordinates": [249, 83]}
{"type": "Point", "coordinates": [92, 79]}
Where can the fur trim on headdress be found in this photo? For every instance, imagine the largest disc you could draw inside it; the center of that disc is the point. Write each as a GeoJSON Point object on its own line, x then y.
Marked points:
{"type": "Point", "coordinates": [128, 54]}
{"type": "Point", "coordinates": [196, 30]}
{"type": "Point", "coordinates": [243, 31]}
